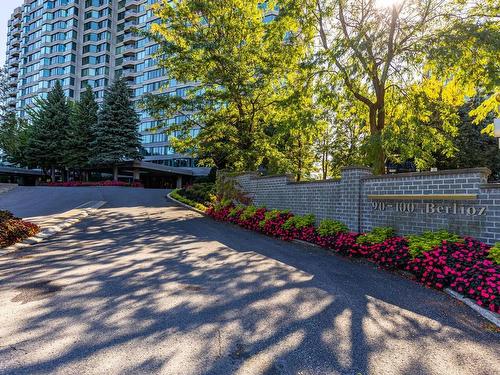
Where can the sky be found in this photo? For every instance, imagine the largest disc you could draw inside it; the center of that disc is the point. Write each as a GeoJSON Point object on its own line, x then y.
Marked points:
{"type": "Point", "coordinates": [6, 8]}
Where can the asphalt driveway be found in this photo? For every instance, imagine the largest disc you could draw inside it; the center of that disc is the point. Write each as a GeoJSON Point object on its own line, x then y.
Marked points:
{"type": "Point", "coordinates": [148, 287]}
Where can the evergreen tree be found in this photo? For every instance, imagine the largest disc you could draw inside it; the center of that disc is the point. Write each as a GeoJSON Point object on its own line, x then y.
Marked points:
{"type": "Point", "coordinates": [14, 136]}
{"type": "Point", "coordinates": [50, 123]}
{"type": "Point", "coordinates": [5, 91]}
{"type": "Point", "coordinates": [77, 144]}
{"type": "Point", "coordinates": [116, 137]}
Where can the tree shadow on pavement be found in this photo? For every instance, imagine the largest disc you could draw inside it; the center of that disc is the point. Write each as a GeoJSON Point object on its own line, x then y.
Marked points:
{"type": "Point", "coordinates": [163, 290]}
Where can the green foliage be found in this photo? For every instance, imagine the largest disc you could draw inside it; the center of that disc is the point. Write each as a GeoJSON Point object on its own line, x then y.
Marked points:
{"type": "Point", "coordinates": [14, 137]}
{"type": "Point", "coordinates": [235, 210]}
{"type": "Point", "coordinates": [50, 122]}
{"type": "Point", "coordinates": [248, 212]}
{"type": "Point", "coordinates": [227, 188]}
{"type": "Point", "coordinates": [418, 244]}
{"type": "Point", "coordinates": [177, 196]}
{"type": "Point", "coordinates": [244, 70]}
{"type": "Point", "coordinates": [299, 222]}
{"type": "Point", "coordinates": [494, 253]}
{"type": "Point", "coordinates": [6, 215]}
{"type": "Point", "coordinates": [473, 147]}
{"type": "Point", "coordinates": [219, 204]}
{"type": "Point", "coordinates": [377, 235]}
{"type": "Point", "coordinates": [116, 137]}
{"type": "Point", "coordinates": [329, 227]}
{"type": "Point", "coordinates": [77, 143]}
{"type": "Point", "coordinates": [200, 192]}
{"type": "Point", "coordinates": [269, 215]}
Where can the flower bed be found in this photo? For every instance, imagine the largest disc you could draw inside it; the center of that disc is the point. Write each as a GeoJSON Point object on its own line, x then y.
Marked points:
{"type": "Point", "coordinates": [175, 194]}
{"type": "Point", "coordinates": [93, 183]}
{"type": "Point", "coordinates": [13, 229]}
{"type": "Point", "coordinates": [436, 259]}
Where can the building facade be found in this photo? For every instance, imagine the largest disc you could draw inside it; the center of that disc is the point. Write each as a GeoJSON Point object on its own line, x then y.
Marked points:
{"type": "Point", "coordinates": [89, 42]}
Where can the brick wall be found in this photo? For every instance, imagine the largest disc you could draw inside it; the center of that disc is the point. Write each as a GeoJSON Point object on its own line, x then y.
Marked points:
{"type": "Point", "coordinates": [356, 200]}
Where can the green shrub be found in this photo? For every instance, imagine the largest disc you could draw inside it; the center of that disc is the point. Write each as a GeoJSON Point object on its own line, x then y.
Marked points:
{"type": "Point", "coordinates": [418, 244]}
{"type": "Point", "coordinates": [5, 215]}
{"type": "Point", "coordinates": [299, 222]}
{"type": "Point", "coordinates": [175, 194]}
{"type": "Point", "coordinates": [234, 211]}
{"type": "Point", "coordinates": [329, 227]}
{"type": "Point", "coordinates": [248, 212]}
{"type": "Point", "coordinates": [377, 235]}
{"type": "Point", "coordinates": [269, 215]}
{"type": "Point", "coordinates": [219, 205]}
{"type": "Point", "coordinates": [200, 192]}
{"type": "Point", "coordinates": [494, 253]}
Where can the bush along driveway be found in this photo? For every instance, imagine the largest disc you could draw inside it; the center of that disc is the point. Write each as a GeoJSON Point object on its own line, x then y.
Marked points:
{"type": "Point", "coordinates": [436, 259]}
{"type": "Point", "coordinates": [14, 229]}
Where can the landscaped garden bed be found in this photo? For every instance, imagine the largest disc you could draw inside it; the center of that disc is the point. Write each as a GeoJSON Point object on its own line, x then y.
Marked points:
{"type": "Point", "coordinates": [436, 259]}
{"type": "Point", "coordinates": [93, 183]}
{"type": "Point", "coordinates": [13, 229]}
{"type": "Point", "coordinates": [199, 195]}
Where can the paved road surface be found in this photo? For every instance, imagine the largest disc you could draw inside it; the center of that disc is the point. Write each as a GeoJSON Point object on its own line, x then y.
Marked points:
{"type": "Point", "coordinates": [149, 287]}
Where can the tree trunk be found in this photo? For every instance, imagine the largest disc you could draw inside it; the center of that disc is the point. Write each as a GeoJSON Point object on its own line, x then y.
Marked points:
{"type": "Point", "coordinates": [53, 173]}
{"type": "Point", "coordinates": [324, 164]}
{"type": "Point", "coordinates": [115, 173]}
{"type": "Point", "coordinates": [377, 119]}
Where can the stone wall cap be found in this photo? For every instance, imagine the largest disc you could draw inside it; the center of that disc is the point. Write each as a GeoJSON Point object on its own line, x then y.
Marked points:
{"type": "Point", "coordinates": [356, 167]}
{"type": "Point", "coordinates": [335, 180]}
{"type": "Point", "coordinates": [480, 170]}
{"type": "Point", "coordinates": [491, 185]}
{"type": "Point", "coordinates": [257, 177]}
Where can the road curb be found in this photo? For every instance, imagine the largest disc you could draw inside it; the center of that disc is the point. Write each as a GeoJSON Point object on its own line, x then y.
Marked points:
{"type": "Point", "coordinates": [86, 209]}
{"type": "Point", "coordinates": [186, 205]}
{"type": "Point", "coordinates": [487, 314]}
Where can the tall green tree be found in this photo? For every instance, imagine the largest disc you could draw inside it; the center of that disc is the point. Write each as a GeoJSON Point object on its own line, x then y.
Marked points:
{"type": "Point", "coordinates": [5, 91]}
{"type": "Point", "coordinates": [467, 50]}
{"type": "Point", "coordinates": [243, 63]}
{"type": "Point", "coordinates": [296, 126]}
{"type": "Point", "coordinates": [373, 49]}
{"type": "Point", "coordinates": [77, 144]}
{"type": "Point", "coordinates": [115, 135]}
{"type": "Point", "coordinates": [14, 137]}
{"type": "Point", "coordinates": [50, 122]}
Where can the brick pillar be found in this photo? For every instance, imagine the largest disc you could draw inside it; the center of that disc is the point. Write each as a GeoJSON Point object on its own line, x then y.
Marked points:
{"type": "Point", "coordinates": [351, 195]}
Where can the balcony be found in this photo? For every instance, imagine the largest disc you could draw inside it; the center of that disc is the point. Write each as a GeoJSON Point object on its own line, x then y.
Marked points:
{"type": "Point", "coordinates": [129, 78]}
{"type": "Point", "coordinates": [128, 50]}
{"type": "Point", "coordinates": [131, 4]}
{"type": "Point", "coordinates": [131, 14]}
{"type": "Point", "coordinates": [128, 61]}
{"type": "Point", "coordinates": [128, 71]}
{"type": "Point", "coordinates": [11, 102]}
{"type": "Point", "coordinates": [130, 24]}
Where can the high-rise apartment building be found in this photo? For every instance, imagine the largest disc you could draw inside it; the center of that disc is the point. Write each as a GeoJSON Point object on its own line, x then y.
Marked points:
{"type": "Point", "coordinates": [80, 42]}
